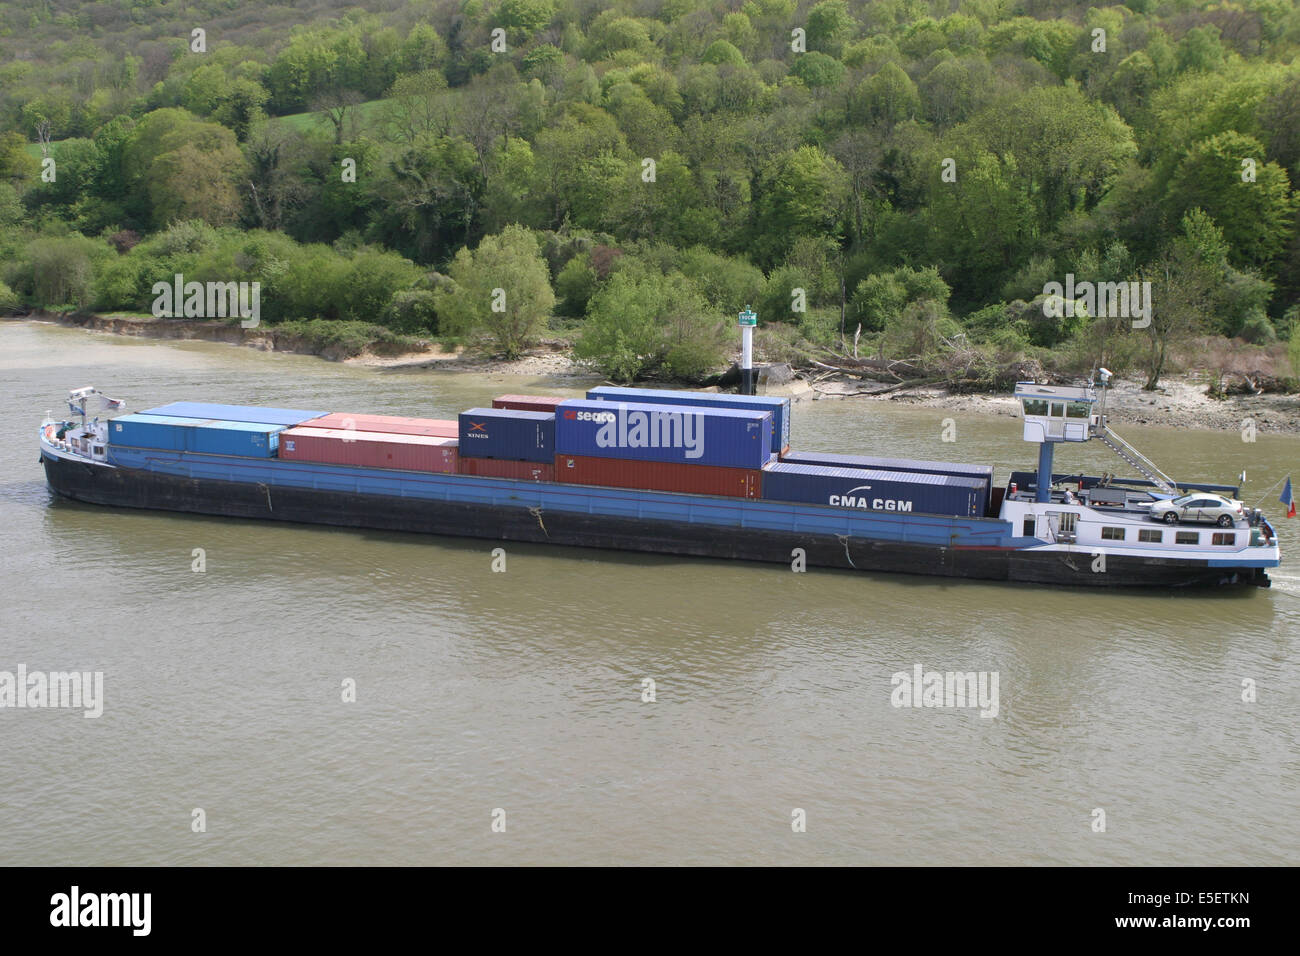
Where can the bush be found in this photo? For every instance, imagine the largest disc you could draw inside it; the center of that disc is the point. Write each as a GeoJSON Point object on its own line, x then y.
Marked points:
{"type": "Point", "coordinates": [120, 284]}
{"type": "Point", "coordinates": [642, 322]}
{"type": "Point", "coordinates": [412, 311]}
{"type": "Point", "coordinates": [500, 294]}
{"type": "Point", "coordinates": [63, 269]}
{"type": "Point", "coordinates": [575, 285]}
{"type": "Point", "coordinates": [727, 283]}
{"type": "Point", "coordinates": [346, 339]}
{"type": "Point", "coordinates": [1257, 329]}
{"type": "Point", "coordinates": [9, 301]}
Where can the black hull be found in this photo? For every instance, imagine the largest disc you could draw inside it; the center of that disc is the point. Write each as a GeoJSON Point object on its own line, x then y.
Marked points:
{"type": "Point", "coordinates": [131, 488]}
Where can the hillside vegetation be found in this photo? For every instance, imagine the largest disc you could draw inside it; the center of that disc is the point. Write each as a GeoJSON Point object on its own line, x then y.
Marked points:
{"type": "Point", "coordinates": [900, 179]}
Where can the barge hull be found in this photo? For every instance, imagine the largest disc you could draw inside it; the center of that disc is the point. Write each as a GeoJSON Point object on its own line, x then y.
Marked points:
{"type": "Point", "coordinates": [139, 488]}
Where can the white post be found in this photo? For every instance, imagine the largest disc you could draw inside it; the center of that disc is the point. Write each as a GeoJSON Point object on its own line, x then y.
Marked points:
{"type": "Point", "coordinates": [747, 320]}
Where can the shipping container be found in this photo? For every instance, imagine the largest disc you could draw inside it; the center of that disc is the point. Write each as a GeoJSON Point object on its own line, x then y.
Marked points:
{"type": "Point", "coordinates": [173, 433]}
{"type": "Point", "coordinates": [387, 424]}
{"type": "Point", "coordinates": [144, 430]}
{"type": "Point", "coordinates": [499, 468]}
{"type": "Point", "coordinates": [659, 476]}
{"type": "Point", "coordinates": [336, 446]}
{"type": "Point", "coordinates": [779, 407]}
{"type": "Point", "coordinates": [692, 435]}
{"type": "Point", "coordinates": [868, 490]}
{"type": "Point", "coordinates": [890, 464]}
{"type": "Point", "coordinates": [527, 403]}
{"type": "Point", "coordinates": [234, 413]}
{"type": "Point", "coordinates": [507, 433]}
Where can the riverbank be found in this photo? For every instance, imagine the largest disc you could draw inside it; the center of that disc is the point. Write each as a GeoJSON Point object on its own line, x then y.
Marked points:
{"type": "Point", "coordinates": [1180, 402]}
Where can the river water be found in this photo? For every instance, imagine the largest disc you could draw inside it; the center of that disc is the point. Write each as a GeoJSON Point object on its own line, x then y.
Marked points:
{"type": "Point", "coordinates": [518, 696]}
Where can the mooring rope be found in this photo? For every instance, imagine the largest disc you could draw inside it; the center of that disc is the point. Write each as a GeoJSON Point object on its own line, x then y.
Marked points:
{"type": "Point", "coordinates": [844, 540]}
{"type": "Point", "coordinates": [537, 513]}
{"type": "Point", "coordinates": [267, 488]}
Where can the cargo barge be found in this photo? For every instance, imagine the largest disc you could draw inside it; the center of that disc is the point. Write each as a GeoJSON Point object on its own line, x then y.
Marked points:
{"type": "Point", "coordinates": [684, 473]}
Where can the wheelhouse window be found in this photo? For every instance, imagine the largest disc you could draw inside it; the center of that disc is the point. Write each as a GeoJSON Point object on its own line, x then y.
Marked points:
{"type": "Point", "coordinates": [1028, 528]}
{"type": "Point", "coordinates": [1151, 535]}
{"type": "Point", "coordinates": [1112, 534]}
{"type": "Point", "coordinates": [1078, 410]}
{"type": "Point", "coordinates": [1058, 409]}
{"type": "Point", "coordinates": [1224, 538]}
{"type": "Point", "coordinates": [1187, 537]}
{"type": "Point", "coordinates": [1035, 406]}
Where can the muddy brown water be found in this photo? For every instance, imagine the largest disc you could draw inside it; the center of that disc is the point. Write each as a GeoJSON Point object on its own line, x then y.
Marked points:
{"type": "Point", "coordinates": [478, 692]}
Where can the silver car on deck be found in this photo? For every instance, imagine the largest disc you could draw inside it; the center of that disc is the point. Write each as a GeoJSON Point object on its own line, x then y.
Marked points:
{"type": "Point", "coordinates": [1199, 506]}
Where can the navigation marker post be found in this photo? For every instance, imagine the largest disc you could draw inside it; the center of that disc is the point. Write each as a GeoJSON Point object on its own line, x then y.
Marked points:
{"type": "Point", "coordinates": [747, 320]}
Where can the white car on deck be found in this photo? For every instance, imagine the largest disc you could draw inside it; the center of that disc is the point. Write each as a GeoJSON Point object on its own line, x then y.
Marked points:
{"type": "Point", "coordinates": [1199, 506]}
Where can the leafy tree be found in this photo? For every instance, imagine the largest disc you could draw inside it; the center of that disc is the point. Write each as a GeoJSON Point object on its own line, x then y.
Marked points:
{"type": "Point", "coordinates": [890, 96]}
{"type": "Point", "coordinates": [818, 70]}
{"type": "Point", "coordinates": [642, 321]}
{"type": "Point", "coordinates": [830, 26]}
{"type": "Point", "coordinates": [522, 18]}
{"type": "Point", "coordinates": [500, 293]}
{"type": "Point", "coordinates": [802, 193]}
{"type": "Point", "coordinates": [18, 168]}
{"type": "Point", "coordinates": [881, 300]}
{"type": "Point", "coordinates": [62, 269]}
{"type": "Point", "coordinates": [1256, 217]}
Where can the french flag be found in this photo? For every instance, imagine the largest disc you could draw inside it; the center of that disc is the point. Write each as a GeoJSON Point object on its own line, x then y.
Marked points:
{"type": "Point", "coordinates": [1287, 498]}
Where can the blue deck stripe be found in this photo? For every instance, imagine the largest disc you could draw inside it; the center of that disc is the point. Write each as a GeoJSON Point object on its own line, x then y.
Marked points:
{"type": "Point", "coordinates": [614, 502]}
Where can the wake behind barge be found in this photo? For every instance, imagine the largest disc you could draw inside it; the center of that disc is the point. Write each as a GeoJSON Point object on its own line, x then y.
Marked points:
{"type": "Point", "coordinates": [841, 511]}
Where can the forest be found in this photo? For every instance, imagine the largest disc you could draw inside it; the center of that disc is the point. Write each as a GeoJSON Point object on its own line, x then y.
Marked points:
{"type": "Point", "coordinates": [898, 186]}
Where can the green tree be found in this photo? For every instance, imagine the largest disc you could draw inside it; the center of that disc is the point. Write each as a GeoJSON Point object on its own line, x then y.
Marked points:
{"type": "Point", "coordinates": [830, 26]}
{"type": "Point", "coordinates": [881, 300]}
{"type": "Point", "coordinates": [802, 193]}
{"type": "Point", "coordinates": [1256, 216]}
{"type": "Point", "coordinates": [1183, 282]}
{"type": "Point", "coordinates": [642, 322]}
{"type": "Point", "coordinates": [500, 293]}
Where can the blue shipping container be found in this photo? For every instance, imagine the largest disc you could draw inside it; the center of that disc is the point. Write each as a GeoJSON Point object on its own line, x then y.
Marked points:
{"type": "Point", "coordinates": [866, 490]}
{"type": "Point", "coordinates": [890, 464]}
{"type": "Point", "coordinates": [235, 413]}
{"type": "Point", "coordinates": [508, 434]}
{"type": "Point", "coordinates": [779, 407]}
{"type": "Point", "coordinates": [692, 435]}
{"type": "Point", "coordinates": [171, 433]}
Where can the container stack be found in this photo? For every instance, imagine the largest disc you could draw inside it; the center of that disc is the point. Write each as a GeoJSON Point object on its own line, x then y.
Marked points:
{"type": "Point", "coordinates": [907, 471]}
{"type": "Point", "coordinates": [197, 435]}
{"type": "Point", "coordinates": [507, 443]}
{"type": "Point", "coordinates": [663, 447]}
{"type": "Point", "coordinates": [863, 489]}
{"type": "Point", "coordinates": [374, 441]}
{"type": "Point", "coordinates": [368, 449]}
{"type": "Point", "coordinates": [386, 424]}
{"type": "Point", "coordinates": [778, 407]}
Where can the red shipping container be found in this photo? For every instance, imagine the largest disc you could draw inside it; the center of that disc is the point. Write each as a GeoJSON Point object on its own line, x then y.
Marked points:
{"type": "Point", "coordinates": [528, 403]}
{"type": "Point", "coordinates": [500, 468]}
{"type": "Point", "coordinates": [659, 476]}
{"type": "Point", "coordinates": [387, 424]}
{"type": "Point", "coordinates": [335, 446]}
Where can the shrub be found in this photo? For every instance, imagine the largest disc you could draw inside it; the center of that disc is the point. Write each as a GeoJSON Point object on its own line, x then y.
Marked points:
{"type": "Point", "coordinates": [411, 311]}
{"type": "Point", "coordinates": [642, 322]}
